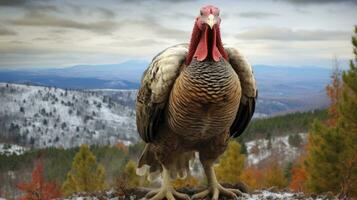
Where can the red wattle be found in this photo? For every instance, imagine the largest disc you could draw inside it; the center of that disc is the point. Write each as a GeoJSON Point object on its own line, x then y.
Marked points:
{"type": "Point", "coordinates": [216, 55]}
{"type": "Point", "coordinates": [202, 47]}
{"type": "Point", "coordinates": [199, 45]}
{"type": "Point", "coordinates": [220, 45]}
{"type": "Point", "coordinates": [195, 38]}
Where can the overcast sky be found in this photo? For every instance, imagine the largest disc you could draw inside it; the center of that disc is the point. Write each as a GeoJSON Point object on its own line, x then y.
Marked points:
{"type": "Point", "coordinates": [45, 33]}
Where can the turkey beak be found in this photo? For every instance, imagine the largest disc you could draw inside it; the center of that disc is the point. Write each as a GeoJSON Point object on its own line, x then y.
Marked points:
{"type": "Point", "coordinates": [210, 21]}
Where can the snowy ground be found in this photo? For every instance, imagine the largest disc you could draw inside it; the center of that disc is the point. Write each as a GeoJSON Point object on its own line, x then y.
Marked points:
{"type": "Point", "coordinates": [267, 195]}
{"type": "Point", "coordinates": [11, 149]}
{"type": "Point", "coordinates": [258, 195]}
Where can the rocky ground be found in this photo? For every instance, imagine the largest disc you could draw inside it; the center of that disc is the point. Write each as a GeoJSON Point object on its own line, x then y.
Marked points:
{"type": "Point", "coordinates": [139, 193]}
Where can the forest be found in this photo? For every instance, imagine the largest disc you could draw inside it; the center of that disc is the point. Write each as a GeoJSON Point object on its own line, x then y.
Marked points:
{"type": "Point", "coordinates": [118, 163]}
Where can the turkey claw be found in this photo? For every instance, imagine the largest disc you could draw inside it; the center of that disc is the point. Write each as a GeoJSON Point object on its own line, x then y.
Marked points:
{"type": "Point", "coordinates": [216, 191]}
{"type": "Point", "coordinates": [168, 193]}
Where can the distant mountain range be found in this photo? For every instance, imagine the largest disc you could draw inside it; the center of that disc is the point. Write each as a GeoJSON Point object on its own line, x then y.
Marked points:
{"type": "Point", "coordinates": [282, 88]}
{"type": "Point", "coordinates": [128, 74]}
{"type": "Point", "coordinates": [114, 76]}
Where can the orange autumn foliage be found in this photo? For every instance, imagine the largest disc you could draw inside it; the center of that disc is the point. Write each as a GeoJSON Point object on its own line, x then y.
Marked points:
{"type": "Point", "coordinates": [189, 181]}
{"type": "Point", "coordinates": [298, 173]}
{"type": "Point", "coordinates": [38, 189]}
{"type": "Point", "coordinates": [298, 179]}
{"type": "Point", "coordinates": [121, 146]}
{"type": "Point", "coordinates": [253, 177]}
{"type": "Point", "coordinates": [334, 91]}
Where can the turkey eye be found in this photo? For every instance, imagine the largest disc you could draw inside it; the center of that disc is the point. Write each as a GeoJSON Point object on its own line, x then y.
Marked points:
{"type": "Point", "coordinates": [201, 13]}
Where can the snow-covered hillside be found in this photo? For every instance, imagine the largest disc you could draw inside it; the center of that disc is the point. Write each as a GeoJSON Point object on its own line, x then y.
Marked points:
{"type": "Point", "coordinates": [44, 116]}
{"type": "Point", "coordinates": [11, 149]}
{"type": "Point", "coordinates": [279, 147]}
{"type": "Point", "coordinates": [123, 97]}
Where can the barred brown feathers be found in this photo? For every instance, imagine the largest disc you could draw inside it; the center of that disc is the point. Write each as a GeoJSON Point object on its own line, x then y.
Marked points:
{"type": "Point", "coordinates": [179, 107]}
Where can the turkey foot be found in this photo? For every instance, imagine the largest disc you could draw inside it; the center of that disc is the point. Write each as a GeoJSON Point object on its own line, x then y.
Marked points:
{"type": "Point", "coordinates": [214, 187]}
{"type": "Point", "coordinates": [166, 190]}
{"type": "Point", "coordinates": [216, 191]}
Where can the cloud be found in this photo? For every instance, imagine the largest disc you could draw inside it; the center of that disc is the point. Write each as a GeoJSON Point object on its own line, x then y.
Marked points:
{"type": "Point", "coordinates": [33, 5]}
{"type": "Point", "coordinates": [137, 42]}
{"type": "Point", "coordinates": [170, 32]}
{"type": "Point", "coordinates": [43, 20]}
{"type": "Point", "coordinates": [84, 10]}
{"type": "Point", "coordinates": [306, 2]}
{"type": "Point", "coordinates": [158, 1]}
{"type": "Point", "coordinates": [41, 6]}
{"type": "Point", "coordinates": [6, 31]}
{"type": "Point", "coordinates": [181, 15]}
{"type": "Point", "coordinates": [14, 3]}
{"type": "Point", "coordinates": [70, 32]}
{"type": "Point", "coordinates": [100, 27]}
{"type": "Point", "coordinates": [288, 34]}
{"type": "Point", "coordinates": [149, 25]}
{"type": "Point", "coordinates": [104, 12]}
{"type": "Point", "coordinates": [257, 14]}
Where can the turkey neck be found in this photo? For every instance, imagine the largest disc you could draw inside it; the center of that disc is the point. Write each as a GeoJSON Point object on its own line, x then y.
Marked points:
{"type": "Point", "coordinates": [204, 99]}
{"type": "Point", "coordinates": [206, 44]}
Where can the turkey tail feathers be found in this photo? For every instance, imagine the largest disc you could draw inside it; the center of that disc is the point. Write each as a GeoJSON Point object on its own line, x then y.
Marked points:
{"type": "Point", "coordinates": [244, 115]}
{"type": "Point", "coordinates": [249, 91]}
{"type": "Point", "coordinates": [156, 85]}
{"type": "Point", "coordinates": [149, 165]}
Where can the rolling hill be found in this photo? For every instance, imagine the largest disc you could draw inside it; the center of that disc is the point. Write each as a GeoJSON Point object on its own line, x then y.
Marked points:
{"type": "Point", "coordinates": [40, 117]}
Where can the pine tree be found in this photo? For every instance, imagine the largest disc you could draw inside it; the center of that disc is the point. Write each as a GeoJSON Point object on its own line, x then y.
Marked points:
{"type": "Point", "coordinates": [243, 148]}
{"type": "Point", "coordinates": [38, 189]}
{"type": "Point", "coordinates": [231, 164]}
{"type": "Point", "coordinates": [130, 176]}
{"type": "Point", "coordinates": [331, 163]}
{"type": "Point", "coordinates": [85, 175]}
{"type": "Point", "coordinates": [295, 140]}
{"type": "Point", "coordinates": [333, 91]}
{"type": "Point", "coordinates": [287, 171]}
{"type": "Point", "coordinates": [347, 125]}
{"type": "Point", "coordinates": [325, 146]}
{"type": "Point", "coordinates": [273, 175]}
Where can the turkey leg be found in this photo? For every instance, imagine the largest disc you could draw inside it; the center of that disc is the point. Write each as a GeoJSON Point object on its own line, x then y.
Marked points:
{"type": "Point", "coordinates": [214, 187]}
{"type": "Point", "coordinates": [166, 190]}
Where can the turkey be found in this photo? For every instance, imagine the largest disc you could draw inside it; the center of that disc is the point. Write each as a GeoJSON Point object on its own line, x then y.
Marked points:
{"type": "Point", "coordinates": [193, 98]}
